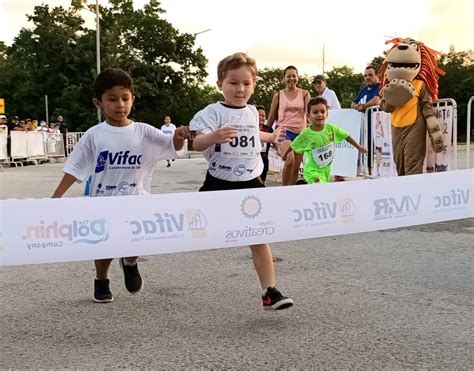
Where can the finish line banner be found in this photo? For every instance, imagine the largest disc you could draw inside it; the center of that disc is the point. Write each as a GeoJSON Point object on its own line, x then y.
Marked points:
{"type": "Point", "coordinates": [35, 231]}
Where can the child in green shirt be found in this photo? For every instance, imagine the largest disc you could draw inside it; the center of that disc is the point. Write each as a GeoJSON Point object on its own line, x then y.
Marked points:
{"type": "Point", "coordinates": [317, 143]}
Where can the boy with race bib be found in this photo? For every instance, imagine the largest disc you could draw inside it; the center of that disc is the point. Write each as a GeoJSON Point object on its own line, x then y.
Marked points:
{"type": "Point", "coordinates": [228, 133]}
{"type": "Point", "coordinates": [318, 141]}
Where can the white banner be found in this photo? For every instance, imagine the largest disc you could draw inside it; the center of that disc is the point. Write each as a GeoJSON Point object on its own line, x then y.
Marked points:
{"type": "Point", "coordinates": [71, 229]}
{"type": "Point", "coordinates": [345, 160]}
{"type": "Point", "coordinates": [19, 144]}
{"type": "Point", "coordinates": [3, 142]}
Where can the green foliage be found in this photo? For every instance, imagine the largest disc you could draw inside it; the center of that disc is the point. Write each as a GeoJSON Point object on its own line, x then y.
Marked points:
{"type": "Point", "coordinates": [458, 82]}
{"type": "Point", "coordinates": [345, 83]}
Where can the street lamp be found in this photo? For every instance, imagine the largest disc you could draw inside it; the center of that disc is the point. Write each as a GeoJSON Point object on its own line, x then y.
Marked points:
{"type": "Point", "coordinates": [200, 32]}
{"type": "Point", "coordinates": [97, 45]}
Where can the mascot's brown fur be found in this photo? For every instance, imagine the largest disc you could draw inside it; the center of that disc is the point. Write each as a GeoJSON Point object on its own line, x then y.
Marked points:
{"type": "Point", "coordinates": [409, 84]}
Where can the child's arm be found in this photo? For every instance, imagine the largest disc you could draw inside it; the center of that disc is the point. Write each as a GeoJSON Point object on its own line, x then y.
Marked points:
{"type": "Point", "coordinates": [356, 145]}
{"type": "Point", "coordinates": [271, 137]}
{"type": "Point", "coordinates": [180, 135]}
{"type": "Point", "coordinates": [222, 135]}
{"type": "Point", "coordinates": [66, 182]}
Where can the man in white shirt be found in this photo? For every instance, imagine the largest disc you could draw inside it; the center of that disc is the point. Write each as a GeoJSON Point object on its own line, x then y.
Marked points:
{"type": "Point", "coordinates": [319, 83]}
{"type": "Point", "coordinates": [169, 129]}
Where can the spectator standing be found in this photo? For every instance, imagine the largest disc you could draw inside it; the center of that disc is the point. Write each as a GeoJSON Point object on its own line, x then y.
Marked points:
{"type": "Point", "coordinates": [168, 128]}
{"type": "Point", "coordinates": [288, 110]}
{"type": "Point", "coordinates": [320, 85]}
{"type": "Point", "coordinates": [369, 95]}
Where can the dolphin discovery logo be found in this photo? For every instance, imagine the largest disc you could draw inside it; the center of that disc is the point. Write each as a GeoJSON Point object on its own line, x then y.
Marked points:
{"type": "Point", "coordinates": [167, 225]}
{"type": "Point", "coordinates": [250, 208]}
{"type": "Point", "coordinates": [55, 234]}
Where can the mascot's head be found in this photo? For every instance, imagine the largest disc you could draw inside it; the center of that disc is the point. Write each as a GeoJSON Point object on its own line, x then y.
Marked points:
{"type": "Point", "coordinates": [409, 59]}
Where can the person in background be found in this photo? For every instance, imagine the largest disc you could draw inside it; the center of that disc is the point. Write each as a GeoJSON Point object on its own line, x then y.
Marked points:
{"type": "Point", "coordinates": [320, 85]}
{"type": "Point", "coordinates": [262, 123]}
{"type": "Point", "coordinates": [169, 129]}
{"type": "Point", "coordinates": [288, 110]}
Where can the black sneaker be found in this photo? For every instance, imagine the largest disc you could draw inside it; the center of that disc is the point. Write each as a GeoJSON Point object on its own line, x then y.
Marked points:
{"type": "Point", "coordinates": [133, 280]}
{"type": "Point", "coordinates": [274, 300]}
{"type": "Point", "coordinates": [102, 292]}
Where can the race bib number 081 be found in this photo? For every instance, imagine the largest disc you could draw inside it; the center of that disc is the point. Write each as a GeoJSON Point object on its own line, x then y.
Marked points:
{"type": "Point", "coordinates": [245, 145]}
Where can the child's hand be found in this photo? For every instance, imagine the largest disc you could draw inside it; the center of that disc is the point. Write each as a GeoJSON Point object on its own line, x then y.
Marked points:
{"type": "Point", "coordinates": [279, 134]}
{"type": "Point", "coordinates": [363, 149]}
{"type": "Point", "coordinates": [183, 133]}
{"type": "Point", "coordinates": [224, 135]}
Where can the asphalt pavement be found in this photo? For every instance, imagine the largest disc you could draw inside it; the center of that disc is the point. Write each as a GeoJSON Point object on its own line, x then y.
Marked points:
{"type": "Point", "coordinates": [395, 299]}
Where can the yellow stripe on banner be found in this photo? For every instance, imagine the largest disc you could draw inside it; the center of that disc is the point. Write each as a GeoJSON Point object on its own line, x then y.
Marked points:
{"type": "Point", "coordinates": [73, 229]}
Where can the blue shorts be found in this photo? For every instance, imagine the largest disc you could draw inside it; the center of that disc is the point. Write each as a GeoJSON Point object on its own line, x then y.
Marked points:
{"type": "Point", "coordinates": [289, 135]}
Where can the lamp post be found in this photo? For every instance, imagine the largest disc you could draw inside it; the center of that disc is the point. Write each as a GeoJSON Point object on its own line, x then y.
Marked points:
{"type": "Point", "coordinates": [200, 32]}
{"type": "Point", "coordinates": [97, 45]}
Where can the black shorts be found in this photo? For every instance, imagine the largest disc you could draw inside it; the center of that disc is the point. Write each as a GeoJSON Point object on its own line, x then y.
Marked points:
{"type": "Point", "coordinates": [212, 183]}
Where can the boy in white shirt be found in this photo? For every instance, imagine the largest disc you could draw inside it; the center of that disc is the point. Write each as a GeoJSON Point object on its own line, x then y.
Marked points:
{"type": "Point", "coordinates": [121, 155]}
{"type": "Point", "coordinates": [228, 133]}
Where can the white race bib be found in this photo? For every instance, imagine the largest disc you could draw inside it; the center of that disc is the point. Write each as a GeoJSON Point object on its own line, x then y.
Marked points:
{"type": "Point", "coordinates": [323, 156]}
{"type": "Point", "coordinates": [245, 145]}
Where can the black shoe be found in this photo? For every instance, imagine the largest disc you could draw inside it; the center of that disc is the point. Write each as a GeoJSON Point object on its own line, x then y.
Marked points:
{"type": "Point", "coordinates": [274, 300]}
{"type": "Point", "coordinates": [168, 165]}
{"type": "Point", "coordinates": [133, 280]}
{"type": "Point", "coordinates": [102, 292]}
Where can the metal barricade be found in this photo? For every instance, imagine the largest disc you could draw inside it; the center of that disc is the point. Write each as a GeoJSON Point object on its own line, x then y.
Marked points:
{"type": "Point", "coordinates": [35, 146]}
{"type": "Point", "coordinates": [447, 115]}
{"type": "Point", "coordinates": [4, 159]}
{"type": "Point", "coordinates": [71, 139]}
{"type": "Point", "coordinates": [468, 133]}
{"type": "Point", "coordinates": [54, 145]}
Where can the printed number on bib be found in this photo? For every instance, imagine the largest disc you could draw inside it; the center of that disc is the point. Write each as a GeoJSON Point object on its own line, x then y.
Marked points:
{"type": "Point", "coordinates": [323, 156]}
{"type": "Point", "coordinates": [245, 145]}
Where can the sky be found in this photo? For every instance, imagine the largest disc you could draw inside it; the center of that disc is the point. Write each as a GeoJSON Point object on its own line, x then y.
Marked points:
{"type": "Point", "coordinates": [279, 33]}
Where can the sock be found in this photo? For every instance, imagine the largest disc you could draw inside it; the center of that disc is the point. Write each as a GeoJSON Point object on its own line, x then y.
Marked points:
{"type": "Point", "coordinates": [129, 264]}
{"type": "Point", "coordinates": [264, 291]}
{"type": "Point", "coordinates": [102, 279]}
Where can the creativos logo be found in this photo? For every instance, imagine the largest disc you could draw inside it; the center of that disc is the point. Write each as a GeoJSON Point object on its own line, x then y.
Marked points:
{"type": "Point", "coordinates": [118, 160]}
{"type": "Point", "coordinates": [391, 207]}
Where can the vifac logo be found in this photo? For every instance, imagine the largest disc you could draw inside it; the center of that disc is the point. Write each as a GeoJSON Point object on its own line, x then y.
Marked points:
{"type": "Point", "coordinates": [54, 234]}
{"type": "Point", "coordinates": [169, 226]}
{"type": "Point", "coordinates": [455, 199]}
{"type": "Point", "coordinates": [322, 212]}
{"type": "Point", "coordinates": [119, 160]}
{"type": "Point", "coordinates": [387, 208]}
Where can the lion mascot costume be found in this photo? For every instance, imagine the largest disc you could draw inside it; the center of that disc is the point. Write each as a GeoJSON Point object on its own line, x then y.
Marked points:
{"type": "Point", "coordinates": [409, 84]}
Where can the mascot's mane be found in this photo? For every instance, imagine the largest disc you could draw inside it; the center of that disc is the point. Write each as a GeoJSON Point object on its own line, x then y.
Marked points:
{"type": "Point", "coordinates": [428, 72]}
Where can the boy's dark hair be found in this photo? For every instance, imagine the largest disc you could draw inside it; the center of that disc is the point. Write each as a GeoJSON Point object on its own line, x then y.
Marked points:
{"type": "Point", "coordinates": [317, 100]}
{"type": "Point", "coordinates": [259, 106]}
{"type": "Point", "coordinates": [109, 78]}
{"type": "Point", "coordinates": [290, 68]}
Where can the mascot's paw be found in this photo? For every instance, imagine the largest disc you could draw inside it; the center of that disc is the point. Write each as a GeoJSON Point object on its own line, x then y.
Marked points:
{"type": "Point", "coordinates": [397, 92]}
{"type": "Point", "coordinates": [435, 134]}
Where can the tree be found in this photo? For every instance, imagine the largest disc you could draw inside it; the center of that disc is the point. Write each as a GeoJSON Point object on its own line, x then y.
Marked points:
{"type": "Point", "coordinates": [57, 57]}
{"type": "Point", "coordinates": [458, 83]}
{"type": "Point", "coordinates": [345, 83]}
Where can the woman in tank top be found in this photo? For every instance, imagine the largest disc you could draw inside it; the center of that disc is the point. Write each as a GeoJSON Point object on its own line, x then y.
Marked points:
{"type": "Point", "coordinates": [288, 110]}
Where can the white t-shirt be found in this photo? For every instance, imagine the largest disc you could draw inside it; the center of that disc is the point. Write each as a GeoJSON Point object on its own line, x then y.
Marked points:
{"type": "Point", "coordinates": [120, 159]}
{"type": "Point", "coordinates": [331, 98]}
{"type": "Point", "coordinates": [168, 129]}
{"type": "Point", "coordinates": [239, 160]}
